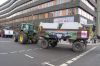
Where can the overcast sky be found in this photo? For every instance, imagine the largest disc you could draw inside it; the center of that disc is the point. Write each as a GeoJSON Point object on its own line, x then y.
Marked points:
{"type": "Point", "coordinates": [2, 1]}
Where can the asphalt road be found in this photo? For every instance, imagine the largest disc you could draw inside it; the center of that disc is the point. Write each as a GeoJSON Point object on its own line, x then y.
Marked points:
{"type": "Point", "coordinates": [15, 54]}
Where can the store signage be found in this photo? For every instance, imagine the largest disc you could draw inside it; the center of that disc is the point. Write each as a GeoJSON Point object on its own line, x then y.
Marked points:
{"type": "Point", "coordinates": [83, 21]}
{"type": "Point", "coordinates": [64, 19]}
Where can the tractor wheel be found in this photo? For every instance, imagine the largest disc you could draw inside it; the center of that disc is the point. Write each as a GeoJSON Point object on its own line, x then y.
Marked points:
{"type": "Point", "coordinates": [15, 37]}
{"type": "Point", "coordinates": [22, 38]}
{"type": "Point", "coordinates": [54, 44]}
{"type": "Point", "coordinates": [78, 46]}
{"type": "Point", "coordinates": [43, 43]}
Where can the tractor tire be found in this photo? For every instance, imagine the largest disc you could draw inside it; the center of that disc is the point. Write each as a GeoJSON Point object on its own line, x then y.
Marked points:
{"type": "Point", "coordinates": [78, 46]}
{"type": "Point", "coordinates": [54, 44]}
{"type": "Point", "coordinates": [15, 37]}
{"type": "Point", "coordinates": [43, 43]}
{"type": "Point", "coordinates": [22, 38]}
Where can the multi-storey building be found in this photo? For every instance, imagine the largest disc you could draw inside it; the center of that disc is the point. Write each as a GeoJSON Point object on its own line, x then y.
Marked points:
{"type": "Point", "coordinates": [35, 11]}
{"type": "Point", "coordinates": [98, 18]}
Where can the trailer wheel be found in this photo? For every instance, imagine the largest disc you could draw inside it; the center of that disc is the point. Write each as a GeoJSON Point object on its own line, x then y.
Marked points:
{"type": "Point", "coordinates": [54, 44]}
{"type": "Point", "coordinates": [22, 38]}
{"type": "Point", "coordinates": [44, 43]}
{"type": "Point", "coordinates": [78, 46]}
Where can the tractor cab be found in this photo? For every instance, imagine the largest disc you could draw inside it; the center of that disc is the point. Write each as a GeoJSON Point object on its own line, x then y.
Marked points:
{"type": "Point", "coordinates": [28, 28]}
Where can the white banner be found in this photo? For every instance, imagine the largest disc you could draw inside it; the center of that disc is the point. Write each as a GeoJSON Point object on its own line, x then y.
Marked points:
{"type": "Point", "coordinates": [83, 21]}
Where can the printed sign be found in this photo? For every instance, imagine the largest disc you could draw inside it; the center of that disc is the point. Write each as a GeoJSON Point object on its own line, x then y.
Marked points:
{"type": "Point", "coordinates": [84, 34]}
{"type": "Point", "coordinates": [64, 19]}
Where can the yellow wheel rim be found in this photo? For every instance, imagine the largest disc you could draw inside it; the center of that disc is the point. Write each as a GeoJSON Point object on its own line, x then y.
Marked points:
{"type": "Point", "coordinates": [21, 38]}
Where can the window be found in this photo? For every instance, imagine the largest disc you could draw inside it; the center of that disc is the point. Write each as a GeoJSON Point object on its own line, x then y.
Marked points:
{"type": "Point", "coordinates": [85, 14]}
{"type": "Point", "coordinates": [88, 4]}
{"type": "Point", "coordinates": [46, 15]}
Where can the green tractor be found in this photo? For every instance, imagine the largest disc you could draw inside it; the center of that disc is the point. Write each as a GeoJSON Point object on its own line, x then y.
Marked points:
{"type": "Point", "coordinates": [25, 34]}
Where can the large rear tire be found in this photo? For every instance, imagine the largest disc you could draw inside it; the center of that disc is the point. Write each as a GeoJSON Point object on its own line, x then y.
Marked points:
{"type": "Point", "coordinates": [22, 38]}
{"type": "Point", "coordinates": [79, 46]}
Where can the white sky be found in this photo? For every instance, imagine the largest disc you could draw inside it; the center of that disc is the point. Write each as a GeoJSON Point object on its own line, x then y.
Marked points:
{"type": "Point", "coordinates": [2, 1]}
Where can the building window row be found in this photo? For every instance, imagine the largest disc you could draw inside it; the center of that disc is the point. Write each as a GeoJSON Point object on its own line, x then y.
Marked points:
{"type": "Point", "coordinates": [23, 5]}
{"type": "Point", "coordinates": [41, 6]}
{"type": "Point", "coordinates": [52, 3]}
{"type": "Point", "coordinates": [88, 4]}
{"type": "Point", "coordinates": [85, 14]}
{"type": "Point", "coordinates": [45, 5]}
{"type": "Point", "coordinates": [65, 12]}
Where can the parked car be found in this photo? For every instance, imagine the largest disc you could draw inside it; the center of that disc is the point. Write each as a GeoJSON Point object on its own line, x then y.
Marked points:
{"type": "Point", "coordinates": [6, 32]}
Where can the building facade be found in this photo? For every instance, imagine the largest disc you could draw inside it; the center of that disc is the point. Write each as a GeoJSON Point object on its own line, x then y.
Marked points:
{"type": "Point", "coordinates": [98, 17]}
{"type": "Point", "coordinates": [36, 11]}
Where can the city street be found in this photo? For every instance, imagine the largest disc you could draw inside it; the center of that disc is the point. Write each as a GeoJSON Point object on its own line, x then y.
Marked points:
{"type": "Point", "coordinates": [15, 54]}
{"type": "Point", "coordinates": [50, 33]}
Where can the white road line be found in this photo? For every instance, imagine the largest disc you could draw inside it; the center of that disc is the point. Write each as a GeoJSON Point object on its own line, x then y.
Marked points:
{"type": "Point", "coordinates": [69, 62]}
{"type": "Point", "coordinates": [3, 53]}
{"type": "Point", "coordinates": [5, 41]}
{"type": "Point", "coordinates": [47, 63]}
{"type": "Point", "coordinates": [28, 56]}
{"type": "Point", "coordinates": [64, 64]}
{"type": "Point", "coordinates": [77, 57]}
{"type": "Point", "coordinates": [14, 52]}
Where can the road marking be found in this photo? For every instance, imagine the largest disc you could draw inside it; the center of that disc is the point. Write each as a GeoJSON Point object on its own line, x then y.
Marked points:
{"type": "Point", "coordinates": [47, 63]}
{"type": "Point", "coordinates": [14, 52]}
{"type": "Point", "coordinates": [5, 41]}
{"type": "Point", "coordinates": [28, 56]}
{"type": "Point", "coordinates": [64, 64]}
{"type": "Point", "coordinates": [69, 62]}
{"type": "Point", "coordinates": [3, 53]}
{"type": "Point", "coordinates": [77, 57]}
